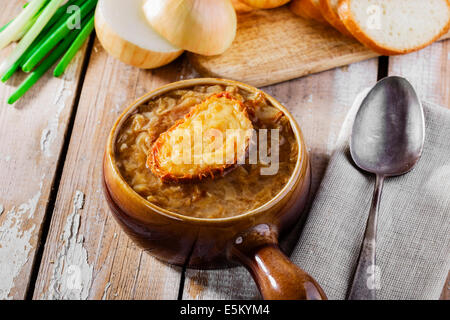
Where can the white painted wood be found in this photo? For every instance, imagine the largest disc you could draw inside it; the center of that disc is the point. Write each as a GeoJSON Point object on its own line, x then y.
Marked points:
{"type": "Point", "coordinates": [32, 134]}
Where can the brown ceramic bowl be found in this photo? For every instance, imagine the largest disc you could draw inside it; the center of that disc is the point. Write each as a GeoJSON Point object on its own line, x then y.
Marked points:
{"type": "Point", "coordinates": [250, 239]}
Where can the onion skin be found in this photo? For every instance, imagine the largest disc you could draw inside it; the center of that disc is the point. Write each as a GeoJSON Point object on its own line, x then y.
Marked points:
{"type": "Point", "coordinates": [206, 27]}
{"type": "Point", "coordinates": [241, 7]}
{"type": "Point", "coordinates": [265, 4]}
{"type": "Point", "coordinates": [128, 52]}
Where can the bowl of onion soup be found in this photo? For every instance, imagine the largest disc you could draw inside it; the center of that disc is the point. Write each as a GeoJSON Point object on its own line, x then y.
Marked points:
{"type": "Point", "coordinates": [210, 173]}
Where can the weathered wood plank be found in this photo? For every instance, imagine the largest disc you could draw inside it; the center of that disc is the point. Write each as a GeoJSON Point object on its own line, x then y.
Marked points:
{"type": "Point", "coordinates": [429, 72]}
{"type": "Point", "coordinates": [86, 255]}
{"type": "Point", "coordinates": [319, 103]}
{"type": "Point", "coordinates": [32, 134]}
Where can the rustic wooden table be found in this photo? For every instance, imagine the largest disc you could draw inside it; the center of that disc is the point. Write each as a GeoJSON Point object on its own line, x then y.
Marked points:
{"type": "Point", "coordinates": [55, 227]}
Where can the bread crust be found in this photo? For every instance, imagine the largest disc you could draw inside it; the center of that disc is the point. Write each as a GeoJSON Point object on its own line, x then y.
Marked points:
{"type": "Point", "coordinates": [307, 9]}
{"type": "Point", "coordinates": [349, 21]}
{"type": "Point", "coordinates": [154, 161]}
{"type": "Point", "coordinates": [332, 17]}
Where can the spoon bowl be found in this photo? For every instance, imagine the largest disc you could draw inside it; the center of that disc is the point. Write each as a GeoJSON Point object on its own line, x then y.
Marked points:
{"type": "Point", "coordinates": [387, 140]}
{"type": "Point", "coordinates": [389, 130]}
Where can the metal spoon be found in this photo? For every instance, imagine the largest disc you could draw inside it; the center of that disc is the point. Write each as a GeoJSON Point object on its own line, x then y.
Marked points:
{"type": "Point", "coordinates": [387, 140]}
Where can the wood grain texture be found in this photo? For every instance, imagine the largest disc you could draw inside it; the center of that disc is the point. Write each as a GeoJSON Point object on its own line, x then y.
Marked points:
{"type": "Point", "coordinates": [429, 72]}
{"type": "Point", "coordinates": [319, 103]}
{"type": "Point", "coordinates": [87, 256]}
{"type": "Point", "coordinates": [272, 46]}
{"type": "Point", "coordinates": [32, 135]}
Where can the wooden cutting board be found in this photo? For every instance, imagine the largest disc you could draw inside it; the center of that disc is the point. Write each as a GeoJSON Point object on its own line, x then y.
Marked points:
{"type": "Point", "coordinates": [272, 46]}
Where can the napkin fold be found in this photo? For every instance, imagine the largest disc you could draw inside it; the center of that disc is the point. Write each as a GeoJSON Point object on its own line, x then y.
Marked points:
{"type": "Point", "coordinates": [413, 240]}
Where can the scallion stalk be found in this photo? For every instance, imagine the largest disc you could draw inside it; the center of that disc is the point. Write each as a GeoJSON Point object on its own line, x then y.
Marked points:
{"type": "Point", "coordinates": [42, 68]}
{"type": "Point", "coordinates": [13, 28]}
{"type": "Point", "coordinates": [25, 29]}
{"type": "Point", "coordinates": [76, 45]}
{"type": "Point", "coordinates": [60, 17]}
{"type": "Point", "coordinates": [60, 12]}
{"type": "Point", "coordinates": [53, 39]}
{"type": "Point", "coordinates": [4, 27]}
{"type": "Point", "coordinates": [8, 74]}
{"type": "Point", "coordinates": [30, 23]}
{"type": "Point", "coordinates": [31, 35]}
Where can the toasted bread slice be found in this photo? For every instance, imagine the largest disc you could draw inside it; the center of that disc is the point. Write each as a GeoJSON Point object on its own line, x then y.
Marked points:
{"type": "Point", "coordinates": [395, 27]}
{"type": "Point", "coordinates": [329, 9]}
{"type": "Point", "coordinates": [308, 9]}
{"type": "Point", "coordinates": [199, 145]}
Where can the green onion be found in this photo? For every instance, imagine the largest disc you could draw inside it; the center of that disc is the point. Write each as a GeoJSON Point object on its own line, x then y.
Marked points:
{"type": "Point", "coordinates": [31, 35]}
{"type": "Point", "coordinates": [11, 31]}
{"type": "Point", "coordinates": [4, 27]}
{"type": "Point", "coordinates": [42, 68]}
{"type": "Point", "coordinates": [51, 25]}
{"type": "Point", "coordinates": [28, 25]}
{"type": "Point", "coordinates": [8, 74]}
{"type": "Point", "coordinates": [62, 31]}
{"type": "Point", "coordinates": [44, 27]}
{"type": "Point", "coordinates": [56, 17]}
{"type": "Point", "coordinates": [25, 28]}
{"type": "Point", "coordinates": [50, 28]}
{"type": "Point", "coordinates": [60, 12]}
{"type": "Point", "coordinates": [77, 44]}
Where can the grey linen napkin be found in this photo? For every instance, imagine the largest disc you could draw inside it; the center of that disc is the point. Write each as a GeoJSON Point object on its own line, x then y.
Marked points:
{"type": "Point", "coordinates": [413, 243]}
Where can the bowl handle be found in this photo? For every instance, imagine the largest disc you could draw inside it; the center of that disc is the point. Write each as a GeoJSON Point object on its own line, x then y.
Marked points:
{"type": "Point", "coordinates": [275, 275]}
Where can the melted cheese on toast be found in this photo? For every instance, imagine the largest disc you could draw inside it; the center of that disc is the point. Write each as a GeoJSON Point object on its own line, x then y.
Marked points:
{"type": "Point", "coordinates": [213, 137]}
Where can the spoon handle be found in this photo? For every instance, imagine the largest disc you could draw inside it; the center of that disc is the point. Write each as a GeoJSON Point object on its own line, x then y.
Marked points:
{"type": "Point", "coordinates": [364, 281]}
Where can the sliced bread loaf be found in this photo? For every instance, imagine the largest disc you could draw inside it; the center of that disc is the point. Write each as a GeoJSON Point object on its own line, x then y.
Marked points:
{"type": "Point", "coordinates": [308, 9]}
{"type": "Point", "coordinates": [329, 9]}
{"type": "Point", "coordinates": [392, 27]}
